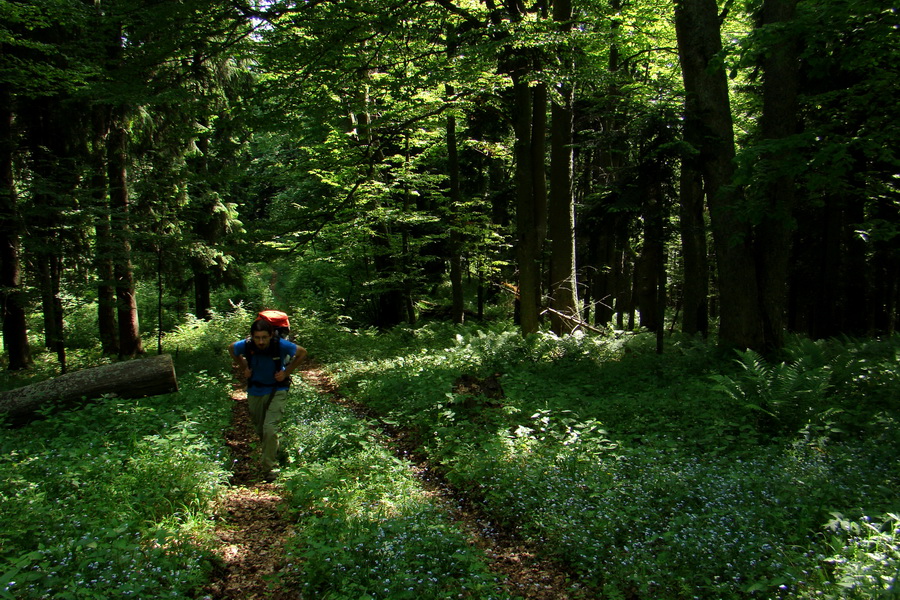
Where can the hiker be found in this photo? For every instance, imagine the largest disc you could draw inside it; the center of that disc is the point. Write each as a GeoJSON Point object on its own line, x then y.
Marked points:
{"type": "Point", "coordinates": [267, 361]}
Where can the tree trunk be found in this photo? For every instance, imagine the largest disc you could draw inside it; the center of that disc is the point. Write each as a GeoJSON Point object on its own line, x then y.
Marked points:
{"type": "Point", "coordinates": [779, 122]}
{"type": "Point", "coordinates": [623, 270]}
{"type": "Point", "coordinates": [455, 241]}
{"type": "Point", "coordinates": [561, 212]}
{"type": "Point", "coordinates": [15, 331]}
{"type": "Point", "coordinates": [53, 179]}
{"type": "Point", "coordinates": [106, 290]}
{"type": "Point", "coordinates": [50, 273]}
{"type": "Point", "coordinates": [648, 277]}
{"type": "Point", "coordinates": [885, 273]}
{"type": "Point", "coordinates": [202, 292]}
{"type": "Point", "coordinates": [692, 225]}
{"type": "Point", "coordinates": [528, 249]}
{"type": "Point", "coordinates": [708, 127]}
{"type": "Point", "coordinates": [130, 343]}
{"type": "Point", "coordinates": [206, 228]}
{"type": "Point", "coordinates": [128, 379]}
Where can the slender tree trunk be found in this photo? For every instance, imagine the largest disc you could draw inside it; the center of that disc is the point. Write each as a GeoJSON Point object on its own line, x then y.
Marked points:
{"type": "Point", "coordinates": [561, 212]}
{"type": "Point", "coordinates": [885, 273]}
{"type": "Point", "coordinates": [648, 277]}
{"type": "Point", "coordinates": [539, 182]}
{"type": "Point", "coordinates": [106, 290]}
{"type": "Point", "coordinates": [623, 270]}
{"type": "Point", "coordinates": [206, 229]}
{"type": "Point", "coordinates": [538, 162]}
{"type": "Point", "coordinates": [49, 272]}
{"type": "Point", "coordinates": [694, 252]}
{"type": "Point", "coordinates": [708, 126]}
{"type": "Point", "coordinates": [855, 287]}
{"type": "Point", "coordinates": [779, 122]}
{"type": "Point", "coordinates": [15, 331]}
{"type": "Point", "coordinates": [528, 249]}
{"type": "Point", "coordinates": [130, 343]}
{"type": "Point", "coordinates": [455, 241]}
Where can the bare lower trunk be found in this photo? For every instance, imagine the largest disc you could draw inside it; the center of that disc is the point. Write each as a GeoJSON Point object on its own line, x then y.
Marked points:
{"type": "Point", "coordinates": [694, 253]}
{"type": "Point", "coordinates": [561, 217]}
{"type": "Point", "coordinates": [528, 246]}
{"type": "Point", "coordinates": [130, 343]}
{"type": "Point", "coordinates": [15, 333]}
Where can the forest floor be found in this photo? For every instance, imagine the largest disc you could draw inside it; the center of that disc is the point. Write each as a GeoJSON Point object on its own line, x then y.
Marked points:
{"type": "Point", "coordinates": [252, 526]}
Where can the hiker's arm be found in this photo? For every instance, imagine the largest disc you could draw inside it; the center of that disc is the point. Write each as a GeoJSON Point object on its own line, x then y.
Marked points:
{"type": "Point", "coordinates": [240, 360]}
{"type": "Point", "coordinates": [295, 362]}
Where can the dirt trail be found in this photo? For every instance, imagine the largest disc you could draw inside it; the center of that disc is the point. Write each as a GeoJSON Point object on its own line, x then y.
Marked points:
{"type": "Point", "coordinates": [251, 529]}
{"type": "Point", "coordinates": [526, 575]}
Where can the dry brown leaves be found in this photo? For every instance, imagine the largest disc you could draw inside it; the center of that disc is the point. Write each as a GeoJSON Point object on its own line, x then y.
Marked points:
{"type": "Point", "coordinates": [251, 528]}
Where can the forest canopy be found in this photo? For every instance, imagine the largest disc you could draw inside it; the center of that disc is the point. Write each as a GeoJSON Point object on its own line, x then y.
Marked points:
{"type": "Point", "coordinates": [716, 169]}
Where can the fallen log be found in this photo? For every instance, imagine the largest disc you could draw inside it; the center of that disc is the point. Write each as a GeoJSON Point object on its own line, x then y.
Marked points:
{"type": "Point", "coordinates": [127, 379]}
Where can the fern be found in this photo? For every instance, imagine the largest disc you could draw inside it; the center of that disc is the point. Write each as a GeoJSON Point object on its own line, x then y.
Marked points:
{"type": "Point", "coordinates": [786, 392]}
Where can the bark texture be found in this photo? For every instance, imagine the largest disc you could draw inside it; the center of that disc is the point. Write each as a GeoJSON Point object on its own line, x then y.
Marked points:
{"type": "Point", "coordinates": [709, 128]}
{"type": "Point", "coordinates": [128, 379]}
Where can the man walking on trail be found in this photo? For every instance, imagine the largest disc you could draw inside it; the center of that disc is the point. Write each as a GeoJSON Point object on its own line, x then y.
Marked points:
{"type": "Point", "coordinates": [267, 362]}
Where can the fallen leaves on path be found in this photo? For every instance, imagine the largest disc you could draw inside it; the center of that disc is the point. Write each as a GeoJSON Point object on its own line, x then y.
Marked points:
{"type": "Point", "coordinates": [251, 529]}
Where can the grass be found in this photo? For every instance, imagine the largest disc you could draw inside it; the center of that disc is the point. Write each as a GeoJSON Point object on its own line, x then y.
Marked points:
{"type": "Point", "coordinates": [681, 476]}
{"type": "Point", "coordinates": [113, 499]}
{"type": "Point", "coordinates": [103, 502]}
{"type": "Point", "coordinates": [686, 475]}
{"type": "Point", "coordinates": [365, 528]}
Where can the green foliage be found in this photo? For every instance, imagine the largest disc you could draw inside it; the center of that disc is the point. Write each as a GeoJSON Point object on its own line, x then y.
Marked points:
{"type": "Point", "coordinates": [365, 527]}
{"type": "Point", "coordinates": [107, 501]}
{"type": "Point", "coordinates": [824, 388]}
{"type": "Point", "coordinates": [785, 392]}
{"type": "Point", "coordinates": [866, 560]}
{"type": "Point", "coordinates": [203, 345]}
{"type": "Point", "coordinates": [632, 469]}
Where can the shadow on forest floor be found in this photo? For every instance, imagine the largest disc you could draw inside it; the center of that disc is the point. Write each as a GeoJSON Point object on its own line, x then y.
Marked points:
{"type": "Point", "coordinates": [252, 528]}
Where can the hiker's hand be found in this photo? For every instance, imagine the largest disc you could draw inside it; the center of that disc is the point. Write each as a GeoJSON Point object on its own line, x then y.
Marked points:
{"type": "Point", "coordinates": [281, 376]}
{"type": "Point", "coordinates": [248, 372]}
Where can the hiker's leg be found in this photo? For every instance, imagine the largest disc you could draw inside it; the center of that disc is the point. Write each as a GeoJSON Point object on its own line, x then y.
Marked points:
{"type": "Point", "coordinates": [257, 407]}
{"type": "Point", "coordinates": [270, 433]}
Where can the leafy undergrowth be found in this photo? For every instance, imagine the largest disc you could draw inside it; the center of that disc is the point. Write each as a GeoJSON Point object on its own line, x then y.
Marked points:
{"type": "Point", "coordinates": [687, 475]}
{"type": "Point", "coordinates": [365, 528]}
{"type": "Point", "coordinates": [109, 501]}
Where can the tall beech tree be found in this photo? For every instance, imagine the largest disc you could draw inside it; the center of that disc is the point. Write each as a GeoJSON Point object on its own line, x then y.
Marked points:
{"type": "Point", "coordinates": [709, 129]}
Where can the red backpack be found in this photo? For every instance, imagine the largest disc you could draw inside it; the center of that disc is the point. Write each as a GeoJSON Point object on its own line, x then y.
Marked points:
{"type": "Point", "coordinates": [279, 321]}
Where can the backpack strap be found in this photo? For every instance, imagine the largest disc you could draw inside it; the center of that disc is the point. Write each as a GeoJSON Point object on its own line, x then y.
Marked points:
{"type": "Point", "coordinates": [274, 352]}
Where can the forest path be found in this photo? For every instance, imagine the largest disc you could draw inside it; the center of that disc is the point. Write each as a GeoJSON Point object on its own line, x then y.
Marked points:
{"type": "Point", "coordinates": [251, 528]}
{"type": "Point", "coordinates": [513, 560]}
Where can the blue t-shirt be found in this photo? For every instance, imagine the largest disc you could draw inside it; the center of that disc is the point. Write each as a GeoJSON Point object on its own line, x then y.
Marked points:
{"type": "Point", "coordinates": [264, 366]}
